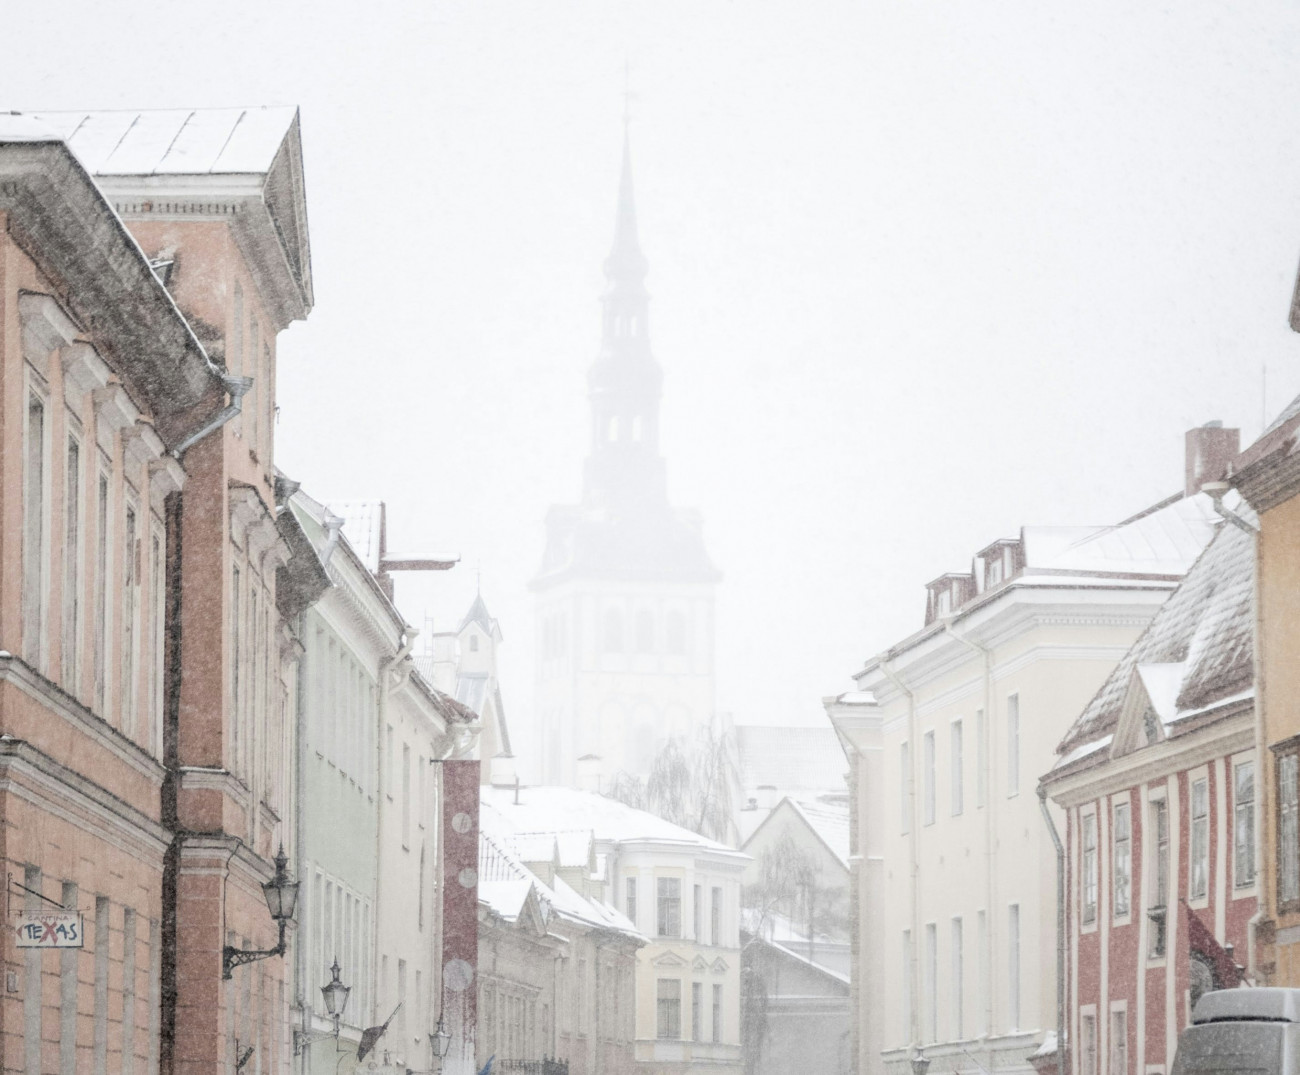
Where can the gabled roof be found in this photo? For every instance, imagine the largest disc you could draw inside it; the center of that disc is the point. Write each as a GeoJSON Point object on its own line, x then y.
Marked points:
{"type": "Point", "coordinates": [478, 613]}
{"type": "Point", "coordinates": [1195, 655]}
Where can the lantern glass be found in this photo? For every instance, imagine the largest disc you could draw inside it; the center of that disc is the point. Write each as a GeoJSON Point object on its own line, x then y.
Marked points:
{"type": "Point", "coordinates": [336, 993]}
{"type": "Point", "coordinates": [281, 893]}
{"type": "Point", "coordinates": [441, 1040]}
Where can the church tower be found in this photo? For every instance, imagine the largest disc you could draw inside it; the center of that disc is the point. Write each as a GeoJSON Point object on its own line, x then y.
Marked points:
{"type": "Point", "coordinates": [624, 598]}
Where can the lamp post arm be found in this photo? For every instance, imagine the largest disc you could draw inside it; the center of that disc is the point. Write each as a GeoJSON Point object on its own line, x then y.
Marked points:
{"type": "Point", "coordinates": [236, 957]}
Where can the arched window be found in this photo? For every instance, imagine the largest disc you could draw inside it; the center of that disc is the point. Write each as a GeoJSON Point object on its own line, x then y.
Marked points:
{"type": "Point", "coordinates": [645, 632]}
{"type": "Point", "coordinates": [613, 631]}
{"type": "Point", "coordinates": [675, 633]}
{"type": "Point", "coordinates": [636, 428]}
{"type": "Point", "coordinates": [613, 428]}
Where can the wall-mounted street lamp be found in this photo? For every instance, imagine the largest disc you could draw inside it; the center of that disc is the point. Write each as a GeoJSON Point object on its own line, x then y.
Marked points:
{"type": "Point", "coordinates": [441, 1040]}
{"type": "Point", "coordinates": [281, 897]}
{"type": "Point", "coordinates": [336, 1000]}
{"type": "Point", "coordinates": [920, 1063]}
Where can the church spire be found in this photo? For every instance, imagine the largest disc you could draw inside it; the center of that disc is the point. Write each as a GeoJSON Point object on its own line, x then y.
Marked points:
{"type": "Point", "coordinates": [626, 265]}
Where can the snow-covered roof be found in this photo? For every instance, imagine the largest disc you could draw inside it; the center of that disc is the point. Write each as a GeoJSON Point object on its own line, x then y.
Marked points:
{"type": "Point", "coordinates": [181, 141]}
{"type": "Point", "coordinates": [554, 809]}
{"type": "Point", "coordinates": [363, 522]}
{"type": "Point", "coordinates": [1197, 652]}
{"type": "Point", "coordinates": [471, 689]}
{"type": "Point", "coordinates": [505, 880]}
{"type": "Point", "coordinates": [830, 821]}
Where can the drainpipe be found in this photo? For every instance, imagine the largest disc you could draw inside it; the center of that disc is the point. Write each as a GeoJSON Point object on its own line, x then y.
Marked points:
{"type": "Point", "coordinates": [989, 865]}
{"type": "Point", "coordinates": [236, 387]}
{"type": "Point", "coordinates": [333, 530]}
{"type": "Point", "coordinates": [914, 868]}
{"type": "Point", "coordinates": [1060, 931]}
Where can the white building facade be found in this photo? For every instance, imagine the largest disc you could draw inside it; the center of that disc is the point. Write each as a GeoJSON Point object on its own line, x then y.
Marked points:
{"type": "Point", "coordinates": [947, 733]}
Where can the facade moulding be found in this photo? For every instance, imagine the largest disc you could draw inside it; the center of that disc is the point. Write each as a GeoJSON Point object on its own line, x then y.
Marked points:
{"type": "Point", "coordinates": [38, 779]}
{"type": "Point", "coordinates": [16, 671]}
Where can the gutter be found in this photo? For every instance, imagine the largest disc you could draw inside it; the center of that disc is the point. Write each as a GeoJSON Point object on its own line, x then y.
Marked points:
{"type": "Point", "coordinates": [235, 387]}
{"type": "Point", "coordinates": [1060, 930]}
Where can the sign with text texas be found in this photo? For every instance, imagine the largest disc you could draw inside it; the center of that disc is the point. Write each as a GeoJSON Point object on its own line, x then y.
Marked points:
{"type": "Point", "coordinates": [38, 929]}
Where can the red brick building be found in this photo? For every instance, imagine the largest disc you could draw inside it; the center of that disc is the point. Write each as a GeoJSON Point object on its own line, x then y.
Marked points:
{"type": "Point", "coordinates": [1158, 778]}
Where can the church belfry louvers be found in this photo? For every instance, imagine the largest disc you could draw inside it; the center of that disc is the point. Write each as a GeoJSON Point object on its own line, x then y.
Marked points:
{"type": "Point", "coordinates": [625, 596]}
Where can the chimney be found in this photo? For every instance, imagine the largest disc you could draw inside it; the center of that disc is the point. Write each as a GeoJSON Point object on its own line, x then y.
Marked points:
{"type": "Point", "coordinates": [766, 796]}
{"type": "Point", "coordinates": [1210, 448]}
{"type": "Point", "coordinates": [589, 773]}
{"type": "Point", "coordinates": [502, 770]}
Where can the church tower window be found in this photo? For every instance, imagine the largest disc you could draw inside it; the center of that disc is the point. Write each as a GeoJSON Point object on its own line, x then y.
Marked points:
{"type": "Point", "coordinates": [675, 633]}
{"type": "Point", "coordinates": [636, 428]}
{"type": "Point", "coordinates": [645, 632]}
{"type": "Point", "coordinates": [613, 428]}
{"type": "Point", "coordinates": [473, 643]}
{"type": "Point", "coordinates": [613, 631]}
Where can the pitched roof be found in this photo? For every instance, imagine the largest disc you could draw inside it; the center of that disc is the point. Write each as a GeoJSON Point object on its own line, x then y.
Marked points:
{"type": "Point", "coordinates": [363, 523]}
{"type": "Point", "coordinates": [830, 821]}
{"type": "Point", "coordinates": [1197, 651]}
{"type": "Point", "coordinates": [179, 141]}
{"type": "Point", "coordinates": [478, 613]}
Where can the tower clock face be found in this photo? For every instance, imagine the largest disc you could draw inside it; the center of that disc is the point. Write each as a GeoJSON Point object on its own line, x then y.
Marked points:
{"type": "Point", "coordinates": [462, 822]}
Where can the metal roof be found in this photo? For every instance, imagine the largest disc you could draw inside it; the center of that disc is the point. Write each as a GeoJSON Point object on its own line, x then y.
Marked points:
{"type": "Point", "coordinates": [181, 141]}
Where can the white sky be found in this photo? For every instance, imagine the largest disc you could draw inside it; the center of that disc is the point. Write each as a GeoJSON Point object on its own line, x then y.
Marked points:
{"type": "Point", "coordinates": [921, 272]}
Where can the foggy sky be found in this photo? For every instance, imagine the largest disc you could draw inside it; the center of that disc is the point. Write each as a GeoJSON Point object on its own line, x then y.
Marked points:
{"type": "Point", "coordinates": [920, 273]}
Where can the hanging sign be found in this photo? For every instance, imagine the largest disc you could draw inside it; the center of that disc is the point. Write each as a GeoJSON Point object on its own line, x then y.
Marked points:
{"type": "Point", "coordinates": [43, 929]}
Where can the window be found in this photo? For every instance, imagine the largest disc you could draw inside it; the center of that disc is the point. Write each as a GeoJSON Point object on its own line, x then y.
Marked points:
{"type": "Point", "coordinates": [715, 916]}
{"type": "Point", "coordinates": [613, 631]}
{"type": "Point", "coordinates": [1087, 1045]}
{"type": "Point", "coordinates": [1198, 862]}
{"type": "Point", "coordinates": [236, 644]}
{"type": "Point", "coordinates": [906, 1033]}
{"type": "Point", "coordinates": [670, 907]}
{"type": "Point", "coordinates": [613, 428]}
{"type": "Point", "coordinates": [675, 633]}
{"type": "Point", "coordinates": [697, 913]}
{"type": "Point", "coordinates": [717, 1013]}
{"type": "Point", "coordinates": [630, 899]}
{"type": "Point", "coordinates": [645, 632]}
{"type": "Point", "coordinates": [636, 421]}
{"type": "Point", "coordinates": [982, 940]}
{"type": "Point", "coordinates": [1013, 966]}
{"type": "Point", "coordinates": [905, 788]}
{"type": "Point", "coordinates": [668, 1006]}
{"type": "Point", "coordinates": [1121, 866]}
{"type": "Point", "coordinates": [955, 761]}
{"type": "Point", "coordinates": [927, 775]}
{"type": "Point", "coordinates": [130, 606]}
{"type": "Point", "coordinates": [1159, 875]}
{"type": "Point", "coordinates": [72, 568]}
{"type": "Point", "coordinates": [981, 758]}
{"type": "Point", "coordinates": [929, 982]}
{"type": "Point", "coordinates": [406, 796]}
{"type": "Point", "coordinates": [1013, 745]}
{"type": "Point", "coordinates": [101, 596]}
{"type": "Point", "coordinates": [1119, 1043]}
{"type": "Point", "coordinates": [34, 533]}
{"type": "Point", "coordinates": [957, 979]}
{"type": "Point", "coordinates": [473, 643]}
{"type": "Point", "coordinates": [1288, 831]}
{"type": "Point", "coordinates": [1243, 824]}
{"type": "Point", "coordinates": [697, 1011]}
{"type": "Point", "coordinates": [1088, 870]}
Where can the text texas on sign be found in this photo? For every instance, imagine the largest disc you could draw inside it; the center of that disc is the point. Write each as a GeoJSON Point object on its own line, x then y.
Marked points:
{"type": "Point", "coordinates": [36, 929]}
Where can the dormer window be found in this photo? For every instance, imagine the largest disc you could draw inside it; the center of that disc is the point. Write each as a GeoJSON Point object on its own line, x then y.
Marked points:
{"type": "Point", "coordinates": [945, 602]}
{"type": "Point", "coordinates": [993, 572]}
{"type": "Point", "coordinates": [1149, 725]}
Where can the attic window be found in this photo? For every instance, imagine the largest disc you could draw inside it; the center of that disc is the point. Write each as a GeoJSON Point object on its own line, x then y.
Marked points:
{"type": "Point", "coordinates": [473, 643]}
{"type": "Point", "coordinates": [1150, 726]}
{"type": "Point", "coordinates": [945, 602]}
{"type": "Point", "coordinates": [993, 574]}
